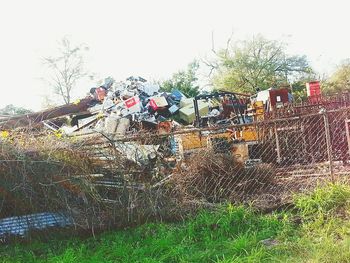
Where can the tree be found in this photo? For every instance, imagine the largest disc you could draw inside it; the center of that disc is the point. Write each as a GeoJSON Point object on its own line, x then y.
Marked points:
{"type": "Point", "coordinates": [256, 63]}
{"type": "Point", "coordinates": [13, 110]}
{"type": "Point", "coordinates": [340, 80]}
{"type": "Point", "coordinates": [184, 81]}
{"type": "Point", "coordinates": [66, 69]}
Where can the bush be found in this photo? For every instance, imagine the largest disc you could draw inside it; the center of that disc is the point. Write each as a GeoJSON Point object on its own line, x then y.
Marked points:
{"type": "Point", "coordinates": [216, 177]}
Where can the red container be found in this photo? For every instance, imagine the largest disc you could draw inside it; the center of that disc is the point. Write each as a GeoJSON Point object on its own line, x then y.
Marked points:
{"type": "Point", "coordinates": [153, 104]}
{"type": "Point", "coordinates": [313, 90]}
{"type": "Point", "coordinates": [100, 93]}
{"type": "Point", "coordinates": [132, 102]}
{"type": "Point", "coordinates": [278, 97]}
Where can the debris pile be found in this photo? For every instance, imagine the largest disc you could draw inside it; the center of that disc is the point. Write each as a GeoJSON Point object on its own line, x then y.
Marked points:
{"type": "Point", "coordinates": [127, 106]}
{"type": "Point", "coordinates": [136, 104]}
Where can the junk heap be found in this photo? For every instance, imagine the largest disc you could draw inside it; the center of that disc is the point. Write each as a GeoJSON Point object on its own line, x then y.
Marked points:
{"type": "Point", "coordinates": [117, 109]}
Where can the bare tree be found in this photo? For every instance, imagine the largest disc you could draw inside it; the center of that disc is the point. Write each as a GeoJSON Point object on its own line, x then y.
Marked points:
{"type": "Point", "coordinates": [67, 68]}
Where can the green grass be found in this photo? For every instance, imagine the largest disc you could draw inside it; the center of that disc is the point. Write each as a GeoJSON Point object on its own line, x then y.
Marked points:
{"type": "Point", "coordinates": [317, 230]}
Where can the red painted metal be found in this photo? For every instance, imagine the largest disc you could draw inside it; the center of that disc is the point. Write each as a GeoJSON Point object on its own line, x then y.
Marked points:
{"type": "Point", "coordinates": [313, 90]}
{"type": "Point", "coordinates": [278, 97]}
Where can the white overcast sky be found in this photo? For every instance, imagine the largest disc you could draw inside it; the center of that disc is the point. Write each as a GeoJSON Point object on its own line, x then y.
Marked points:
{"type": "Point", "coordinates": [153, 39]}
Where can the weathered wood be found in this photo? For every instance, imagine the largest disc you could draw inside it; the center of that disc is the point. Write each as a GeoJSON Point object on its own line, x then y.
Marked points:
{"type": "Point", "coordinates": [37, 117]}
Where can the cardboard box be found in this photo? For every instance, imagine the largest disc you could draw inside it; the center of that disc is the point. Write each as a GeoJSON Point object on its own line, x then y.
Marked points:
{"type": "Point", "coordinates": [158, 102]}
{"type": "Point", "coordinates": [186, 102]}
{"type": "Point", "coordinates": [133, 104]}
{"type": "Point", "coordinates": [187, 113]}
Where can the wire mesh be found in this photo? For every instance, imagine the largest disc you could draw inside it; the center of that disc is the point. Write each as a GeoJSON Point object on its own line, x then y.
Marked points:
{"type": "Point", "coordinates": [266, 161]}
{"type": "Point", "coordinates": [102, 180]}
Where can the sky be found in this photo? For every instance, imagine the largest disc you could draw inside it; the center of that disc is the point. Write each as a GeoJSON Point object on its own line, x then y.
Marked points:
{"type": "Point", "coordinates": [155, 38]}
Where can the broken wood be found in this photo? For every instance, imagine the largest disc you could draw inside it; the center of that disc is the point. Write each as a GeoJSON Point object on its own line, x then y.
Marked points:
{"type": "Point", "coordinates": [28, 120]}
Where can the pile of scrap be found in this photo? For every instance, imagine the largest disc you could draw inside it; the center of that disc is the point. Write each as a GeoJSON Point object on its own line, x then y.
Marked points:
{"type": "Point", "coordinates": [116, 109]}
{"type": "Point", "coordinates": [131, 107]}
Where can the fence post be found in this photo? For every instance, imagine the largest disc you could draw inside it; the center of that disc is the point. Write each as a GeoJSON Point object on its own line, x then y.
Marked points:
{"type": "Point", "coordinates": [329, 144]}
{"type": "Point", "coordinates": [278, 149]}
{"type": "Point", "coordinates": [347, 134]}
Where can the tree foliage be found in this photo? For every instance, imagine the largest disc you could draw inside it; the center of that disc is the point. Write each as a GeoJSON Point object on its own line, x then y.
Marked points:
{"type": "Point", "coordinates": [13, 110]}
{"type": "Point", "coordinates": [66, 69]}
{"type": "Point", "coordinates": [184, 80]}
{"type": "Point", "coordinates": [340, 80]}
{"type": "Point", "coordinates": [257, 63]}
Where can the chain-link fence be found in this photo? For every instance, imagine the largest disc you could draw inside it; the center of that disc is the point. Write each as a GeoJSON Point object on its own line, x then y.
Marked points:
{"type": "Point", "coordinates": [263, 162]}
{"type": "Point", "coordinates": [166, 173]}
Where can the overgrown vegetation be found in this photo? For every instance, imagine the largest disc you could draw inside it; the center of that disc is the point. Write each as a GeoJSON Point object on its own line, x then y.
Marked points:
{"type": "Point", "coordinates": [317, 230]}
{"type": "Point", "coordinates": [40, 174]}
{"type": "Point", "coordinates": [48, 173]}
{"type": "Point", "coordinates": [217, 177]}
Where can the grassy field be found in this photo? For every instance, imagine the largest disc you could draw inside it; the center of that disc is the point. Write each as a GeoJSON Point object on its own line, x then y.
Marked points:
{"type": "Point", "coordinates": [316, 230]}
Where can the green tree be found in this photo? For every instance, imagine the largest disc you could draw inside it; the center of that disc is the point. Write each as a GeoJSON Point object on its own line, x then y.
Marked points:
{"type": "Point", "coordinates": [339, 81]}
{"type": "Point", "coordinates": [13, 110]}
{"type": "Point", "coordinates": [184, 80]}
{"type": "Point", "coordinates": [257, 63]}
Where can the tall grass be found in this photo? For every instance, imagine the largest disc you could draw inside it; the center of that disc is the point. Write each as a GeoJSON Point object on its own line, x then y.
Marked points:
{"type": "Point", "coordinates": [230, 232]}
{"type": "Point", "coordinates": [323, 201]}
{"type": "Point", "coordinates": [317, 231]}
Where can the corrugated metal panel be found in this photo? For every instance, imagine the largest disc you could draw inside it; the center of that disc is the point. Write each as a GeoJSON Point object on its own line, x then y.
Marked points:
{"type": "Point", "coordinates": [20, 225]}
